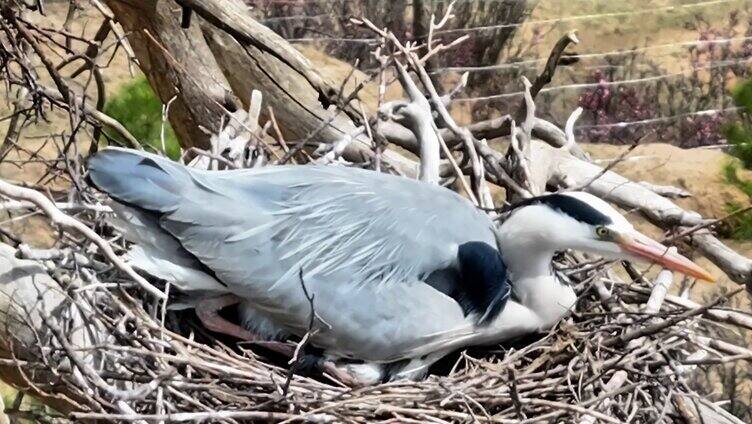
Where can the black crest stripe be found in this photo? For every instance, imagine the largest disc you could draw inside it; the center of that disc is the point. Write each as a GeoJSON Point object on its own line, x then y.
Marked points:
{"type": "Point", "coordinates": [569, 205]}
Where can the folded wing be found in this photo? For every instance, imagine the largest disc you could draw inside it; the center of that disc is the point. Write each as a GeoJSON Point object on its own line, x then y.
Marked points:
{"type": "Point", "coordinates": [365, 242]}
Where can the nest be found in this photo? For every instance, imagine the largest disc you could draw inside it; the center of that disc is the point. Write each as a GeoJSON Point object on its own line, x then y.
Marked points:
{"type": "Point", "coordinates": [627, 355]}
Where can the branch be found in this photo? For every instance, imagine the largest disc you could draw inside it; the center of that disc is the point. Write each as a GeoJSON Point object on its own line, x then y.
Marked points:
{"type": "Point", "coordinates": [225, 15]}
{"type": "Point", "coordinates": [549, 70]}
{"type": "Point", "coordinates": [647, 330]}
{"type": "Point", "coordinates": [97, 115]}
{"type": "Point", "coordinates": [303, 103]}
{"type": "Point", "coordinates": [27, 294]}
{"type": "Point", "coordinates": [59, 218]}
{"type": "Point", "coordinates": [542, 129]}
{"type": "Point", "coordinates": [666, 190]}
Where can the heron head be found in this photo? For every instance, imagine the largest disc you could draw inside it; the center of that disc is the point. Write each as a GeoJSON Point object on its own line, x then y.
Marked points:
{"type": "Point", "coordinates": [581, 221]}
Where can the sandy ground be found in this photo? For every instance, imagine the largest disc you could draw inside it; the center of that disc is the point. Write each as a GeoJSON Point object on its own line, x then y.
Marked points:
{"type": "Point", "coordinates": [336, 71]}
{"type": "Point", "coordinates": [695, 170]}
{"type": "Point", "coordinates": [610, 25]}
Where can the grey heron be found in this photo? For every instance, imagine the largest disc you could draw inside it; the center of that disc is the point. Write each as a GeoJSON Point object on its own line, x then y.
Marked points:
{"type": "Point", "coordinates": [402, 272]}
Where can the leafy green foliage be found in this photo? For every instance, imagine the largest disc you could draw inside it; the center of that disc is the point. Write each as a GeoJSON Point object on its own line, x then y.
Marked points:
{"type": "Point", "coordinates": [739, 134]}
{"type": "Point", "coordinates": [731, 176]}
{"type": "Point", "coordinates": [140, 111]}
{"type": "Point", "coordinates": [30, 407]}
{"type": "Point", "coordinates": [740, 225]}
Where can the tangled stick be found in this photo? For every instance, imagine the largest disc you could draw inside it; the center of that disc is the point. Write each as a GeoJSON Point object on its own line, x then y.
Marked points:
{"type": "Point", "coordinates": [58, 217]}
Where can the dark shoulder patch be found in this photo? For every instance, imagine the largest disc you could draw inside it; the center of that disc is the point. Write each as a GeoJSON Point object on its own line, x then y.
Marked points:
{"type": "Point", "coordinates": [575, 208]}
{"type": "Point", "coordinates": [147, 161]}
{"type": "Point", "coordinates": [480, 283]}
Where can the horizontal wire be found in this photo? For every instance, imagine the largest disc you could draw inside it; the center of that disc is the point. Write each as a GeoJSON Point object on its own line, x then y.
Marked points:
{"type": "Point", "coordinates": [611, 53]}
{"type": "Point", "coordinates": [302, 17]}
{"type": "Point", "coordinates": [625, 124]}
{"type": "Point", "coordinates": [340, 40]}
{"type": "Point", "coordinates": [587, 17]}
{"type": "Point", "coordinates": [726, 63]}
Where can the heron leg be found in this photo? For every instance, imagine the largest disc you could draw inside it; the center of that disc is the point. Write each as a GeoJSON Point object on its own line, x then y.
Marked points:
{"type": "Point", "coordinates": [343, 376]}
{"type": "Point", "coordinates": [208, 312]}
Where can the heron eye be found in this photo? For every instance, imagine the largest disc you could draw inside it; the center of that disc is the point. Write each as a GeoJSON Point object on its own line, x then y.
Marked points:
{"type": "Point", "coordinates": [601, 231]}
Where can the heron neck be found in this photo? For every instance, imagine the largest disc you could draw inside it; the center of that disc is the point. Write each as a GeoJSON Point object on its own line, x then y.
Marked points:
{"type": "Point", "coordinates": [527, 259]}
{"type": "Point", "coordinates": [429, 153]}
{"type": "Point", "coordinates": [528, 255]}
{"type": "Point", "coordinates": [527, 243]}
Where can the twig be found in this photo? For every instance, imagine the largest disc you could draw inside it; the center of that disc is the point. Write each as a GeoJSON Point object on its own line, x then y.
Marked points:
{"type": "Point", "coordinates": [296, 362]}
{"type": "Point", "coordinates": [60, 218]}
{"type": "Point", "coordinates": [654, 328]}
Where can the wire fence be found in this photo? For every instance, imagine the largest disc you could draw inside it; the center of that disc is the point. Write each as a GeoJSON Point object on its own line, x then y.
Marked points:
{"type": "Point", "coordinates": [462, 31]}
{"type": "Point", "coordinates": [627, 124]}
{"type": "Point", "coordinates": [715, 65]}
{"type": "Point", "coordinates": [676, 8]}
{"type": "Point", "coordinates": [596, 55]}
{"type": "Point", "coordinates": [618, 68]}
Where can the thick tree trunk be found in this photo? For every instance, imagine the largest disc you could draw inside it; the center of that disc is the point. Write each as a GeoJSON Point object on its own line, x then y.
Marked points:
{"type": "Point", "coordinates": [222, 56]}
{"type": "Point", "coordinates": [177, 62]}
{"type": "Point", "coordinates": [498, 18]}
{"type": "Point", "coordinates": [490, 43]}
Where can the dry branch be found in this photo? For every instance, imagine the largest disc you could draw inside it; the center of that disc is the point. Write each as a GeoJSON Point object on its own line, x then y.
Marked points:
{"type": "Point", "coordinates": [59, 218]}
{"type": "Point", "coordinates": [300, 98]}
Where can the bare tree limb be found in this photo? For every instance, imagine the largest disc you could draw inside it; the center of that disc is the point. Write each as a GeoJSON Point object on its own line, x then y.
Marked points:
{"type": "Point", "coordinates": [66, 221]}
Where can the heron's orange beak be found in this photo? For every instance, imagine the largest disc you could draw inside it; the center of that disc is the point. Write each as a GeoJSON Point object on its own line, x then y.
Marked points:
{"type": "Point", "coordinates": [644, 247]}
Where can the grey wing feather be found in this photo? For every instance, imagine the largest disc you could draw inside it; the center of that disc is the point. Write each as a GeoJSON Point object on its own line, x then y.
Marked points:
{"type": "Point", "coordinates": [330, 222]}
{"type": "Point", "coordinates": [159, 254]}
{"type": "Point", "coordinates": [373, 227]}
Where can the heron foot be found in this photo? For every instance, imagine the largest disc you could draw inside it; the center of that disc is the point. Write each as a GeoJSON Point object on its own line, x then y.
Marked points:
{"type": "Point", "coordinates": [341, 374]}
{"type": "Point", "coordinates": [208, 312]}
